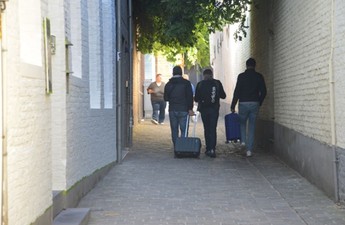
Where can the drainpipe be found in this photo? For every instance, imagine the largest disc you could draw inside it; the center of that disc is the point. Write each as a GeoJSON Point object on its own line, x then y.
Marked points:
{"type": "Point", "coordinates": [3, 162]}
{"type": "Point", "coordinates": [332, 107]}
{"type": "Point", "coordinates": [118, 84]}
{"type": "Point", "coordinates": [130, 72]}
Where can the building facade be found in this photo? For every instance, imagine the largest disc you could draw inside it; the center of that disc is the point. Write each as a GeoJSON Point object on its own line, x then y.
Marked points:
{"type": "Point", "coordinates": [299, 49]}
{"type": "Point", "coordinates": [65, 102]}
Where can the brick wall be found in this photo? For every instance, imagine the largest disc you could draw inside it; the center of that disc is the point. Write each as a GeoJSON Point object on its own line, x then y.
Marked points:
{"type": "Point", "coordinates": [301, 73]}
{"type": "Point", "coordinates": [91, 133]}
{"type": "Point", "coordinates": [54, 141]}
{"type": "Point", "coordinates": [339, 87]}
{"type": "Point", "coordinates": [292, 43]}
{"type": "Point", "coordinates": [58, 97]}
{"type": "Point", "coordinates": [339, 68]}
{"type": "Point", "coordinates": [28, 120]}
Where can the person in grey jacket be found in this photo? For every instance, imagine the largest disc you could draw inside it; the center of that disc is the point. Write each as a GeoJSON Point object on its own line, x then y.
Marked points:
{"type": "Point", "coordinates": [178, 92]}
{"type": "Point", "coordinates": [156, 89]}
{"type": "Point", "coordinates": [250, 91]}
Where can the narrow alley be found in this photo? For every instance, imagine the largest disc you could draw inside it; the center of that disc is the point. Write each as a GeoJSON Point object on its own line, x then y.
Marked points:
{"type": "Point", "coordinates": [151, 187]}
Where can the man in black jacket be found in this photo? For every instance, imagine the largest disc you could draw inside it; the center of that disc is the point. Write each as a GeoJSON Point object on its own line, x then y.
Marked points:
{"type": "Point", "coordinates": [178, 92]}
{"type": "Point", "coordinates": [207, 94]}
{"type": "Point", "coordinates": [250, 91]}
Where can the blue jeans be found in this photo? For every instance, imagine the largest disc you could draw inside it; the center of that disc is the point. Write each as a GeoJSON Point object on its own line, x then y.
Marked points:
{"type": "Point", "coordinates": [158, 110]}
{"type": "Point", "coordinates": [248, 112]}
{"type": "Point", "coordinates": [177, 120]}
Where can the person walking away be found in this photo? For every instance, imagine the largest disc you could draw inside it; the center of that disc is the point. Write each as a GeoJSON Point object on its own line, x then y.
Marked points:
{"type": "Point", "coordinates": [156, 89]}
{"type": "Point", "coordinates": [250, 91]}
{"type": "Point", "coordinates": [207, 95]}
{"type": "Point", "coordinates": [186, 76]}
{"type": "Point", "coordinates": [178, 92]}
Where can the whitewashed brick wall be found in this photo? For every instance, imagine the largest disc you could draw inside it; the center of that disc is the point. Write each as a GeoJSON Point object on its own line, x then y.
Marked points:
{"type": "Point", "coordinates": [91, 133]}
{"type": "Point", "coordinates": [228, 57]}
{"type": "Point", "coordinates": [53, 141]}
{"type": "Point", "coordinates": [339, 71]}
{"type": "Point", "coordinates": [28, 122]}
{"type": "Point", "coordinates": [58, 97]}
{"type": "Point", "coordinates": [339, 92]}
{"type": "Point", "coordinates": [95, 69]}
{"type": "Point", "coordinates": [109, 41]}
{"type": "Point", "coordinates": [301, 70]}
{"type": "Point", "coordinates": [291, 42]}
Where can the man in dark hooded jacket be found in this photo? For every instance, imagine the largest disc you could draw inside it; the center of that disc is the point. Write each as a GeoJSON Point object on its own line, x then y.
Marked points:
{"type": "Point", "coordinates": [207, 95]}
{"type": "Point", "coordinates": [250, 91]}
{"type": "Point", "coordinates": [178, 92]}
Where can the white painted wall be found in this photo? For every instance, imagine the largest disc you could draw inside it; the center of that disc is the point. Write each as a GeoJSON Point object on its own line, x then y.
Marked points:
{"type": "Point", "coordinates": [301, 67]}
{"type": "Point", "coordinates": [54, 141]}
{"type": "Point", "coordinates": [59, 145]}
{"type": "Point", "coordinates": [28, 114]}
{"type": "Point", "coordinates": [228, 58]}
{"type": "Point", "coordinates": [339, 68]}
{"type": "Point", "coordinates": [108, 21]}
{"type": "Point", "coordinates": [292, 46]}
{"type": "Point", "coordinates": [91, 115]}
{"type": "Point", "coordinates": [95, 45]}
{"type": "Point", "coordinates": [300, 58]}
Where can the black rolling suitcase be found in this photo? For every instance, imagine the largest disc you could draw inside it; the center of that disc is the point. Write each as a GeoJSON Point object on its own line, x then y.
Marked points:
{"type": "Point", "coordinates": [188, 147]}
{"type": "Point", "coordinates": [232, 128]}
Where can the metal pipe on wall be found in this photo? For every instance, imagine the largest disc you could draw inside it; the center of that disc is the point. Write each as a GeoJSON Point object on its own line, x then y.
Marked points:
{"type": "Point", "coordinates": [3, 99]}
{"type": "Point", "coordinates": [332, 105]}
{"type": "Point", "coordinates": [131, 120]}
{"type": "Point", "coordinates": [118, 83]}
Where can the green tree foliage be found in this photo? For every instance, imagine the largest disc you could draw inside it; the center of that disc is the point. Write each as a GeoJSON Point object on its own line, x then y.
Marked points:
{"type": "Point", "coordinates": [182, 26]}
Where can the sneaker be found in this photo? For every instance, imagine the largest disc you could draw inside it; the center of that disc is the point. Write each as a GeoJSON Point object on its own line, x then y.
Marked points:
{"type": "Point", "coordinates": [161, 123]}
{"type": "Point", "coordinates": [249, 153]}
{"type": "Point", "coordinates": [154, 121]}
{"type": "Point", "coordinates": [243, 145]}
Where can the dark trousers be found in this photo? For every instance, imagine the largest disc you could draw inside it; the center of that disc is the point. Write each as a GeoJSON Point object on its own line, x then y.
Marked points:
{"type": "Point", "coordinates": [209, 118]}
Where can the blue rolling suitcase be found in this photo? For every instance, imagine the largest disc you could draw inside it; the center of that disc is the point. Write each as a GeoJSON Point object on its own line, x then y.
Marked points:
{"type": "Point", "coordinates": [188, 147]}
{"type": "Point", "coordinates": [232, 128]}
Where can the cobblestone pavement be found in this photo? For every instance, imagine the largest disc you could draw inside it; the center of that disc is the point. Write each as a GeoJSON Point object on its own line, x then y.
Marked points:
{"type": "Point", "coordinates": [151, 187]}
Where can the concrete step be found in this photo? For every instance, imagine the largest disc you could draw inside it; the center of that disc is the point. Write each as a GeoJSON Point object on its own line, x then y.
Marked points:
{"type": "Point", "coordinates": [72, 216]}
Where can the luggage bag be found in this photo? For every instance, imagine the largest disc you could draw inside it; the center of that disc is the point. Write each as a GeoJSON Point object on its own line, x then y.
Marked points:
{"type": "Point", "coordinates": [188, 147]}
{"type": "Point", "coordinates": [232, 128]}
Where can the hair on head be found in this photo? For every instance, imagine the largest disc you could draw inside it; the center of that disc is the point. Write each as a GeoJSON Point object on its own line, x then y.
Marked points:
{"type": "Point", "coordinates": [251, 62]}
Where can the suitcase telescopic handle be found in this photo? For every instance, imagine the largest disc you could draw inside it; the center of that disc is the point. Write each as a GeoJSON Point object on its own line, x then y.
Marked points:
{"type": "Point", "coordinates": [195, 122]}
{"type": "Point", "coordinates": [194, 126]}
{"type": "Point", "coordinates": [187, 127]}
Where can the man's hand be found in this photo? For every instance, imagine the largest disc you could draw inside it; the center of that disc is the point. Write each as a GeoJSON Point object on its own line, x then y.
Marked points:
{"type": "Point", "coordinates": [191, 112]}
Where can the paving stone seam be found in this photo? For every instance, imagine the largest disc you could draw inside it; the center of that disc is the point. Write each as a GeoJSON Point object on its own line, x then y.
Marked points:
{"type": "Point", "coordinates": [276, 190]}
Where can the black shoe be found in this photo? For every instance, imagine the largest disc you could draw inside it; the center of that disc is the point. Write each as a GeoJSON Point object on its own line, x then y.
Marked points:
{"type": "Point", "coordinates": [212, 153]}
{"type": "Point", "coordinates": [207, 152]}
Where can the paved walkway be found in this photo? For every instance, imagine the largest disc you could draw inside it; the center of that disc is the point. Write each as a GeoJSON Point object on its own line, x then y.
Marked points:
{"type": "Point", "coordinates": [151, 187]}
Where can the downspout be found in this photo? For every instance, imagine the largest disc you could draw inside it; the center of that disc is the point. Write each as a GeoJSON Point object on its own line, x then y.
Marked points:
{"type": "Point", "coordinates": [118, 84]}
{"type": "Point", "coordinates": [130, 73]}
{"type": "Point", "coordinates": [3, 99]}
{"type": "Point", "coordinates": [332, 107]}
